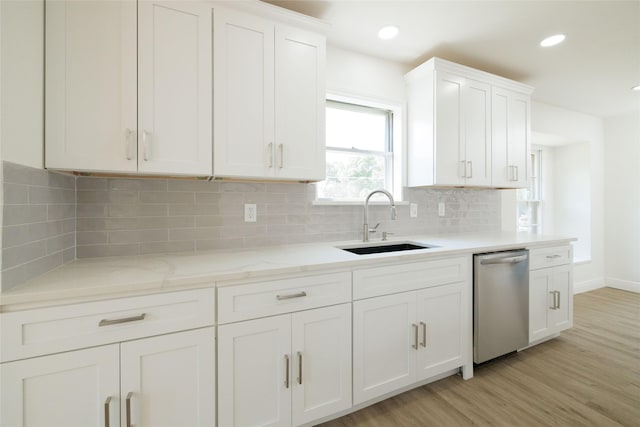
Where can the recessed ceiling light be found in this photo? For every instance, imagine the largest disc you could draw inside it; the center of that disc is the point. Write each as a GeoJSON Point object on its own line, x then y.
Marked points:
{"type": "Point", "coordinates": [387, 33]}
{"type": "Point", "coordinates": [553, 40]}
{"type": "Point", "coordinates": [636, 88]}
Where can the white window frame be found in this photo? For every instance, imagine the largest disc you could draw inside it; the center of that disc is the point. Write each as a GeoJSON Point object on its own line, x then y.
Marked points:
{"type": "Point", "coordinates": [398, 146]}
{"type": "Point", "coordinates": [535, 182]}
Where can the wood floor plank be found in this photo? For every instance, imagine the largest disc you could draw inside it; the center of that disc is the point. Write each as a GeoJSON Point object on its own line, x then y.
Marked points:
{"type": "Point", "coordinates": [589, 376]}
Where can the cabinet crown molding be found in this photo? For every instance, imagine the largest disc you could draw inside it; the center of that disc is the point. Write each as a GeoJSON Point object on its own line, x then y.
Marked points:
{"type": "Point", "coordinates": [270, 11]}
{"type": "Point", "coordinates": [440, 64]}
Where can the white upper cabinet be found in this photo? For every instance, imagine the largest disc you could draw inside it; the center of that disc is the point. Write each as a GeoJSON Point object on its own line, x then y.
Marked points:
{"type": "Point", "coordinates": [90, 103]}
{"type": "Point", "coordinates": [454, 138]}
{"type": "Point", "coordinates": [244, 90]}
{"type": "Point", "coordinates": [128, 86]}
{"type": "Point", "coordinates": [174, 87]}
{"type": "Point", "coordinates": [269, 92]}
{"type": "Point", "coordinates": [300, 104]}
{"type": "Point", "coordinates": [510, 117]}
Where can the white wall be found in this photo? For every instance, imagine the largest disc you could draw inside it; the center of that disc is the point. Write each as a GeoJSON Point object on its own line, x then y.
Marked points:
{"type": "Point", "coordinates": [622, 201]}
{"type": "Point", "coordinates": [22, 81]}
{"type": "Point", "coordinates": [357, 74]}
{"type": "Point", "coordinates": [578, 127]}
{"type": "Point", "coordinates": [570, 201]}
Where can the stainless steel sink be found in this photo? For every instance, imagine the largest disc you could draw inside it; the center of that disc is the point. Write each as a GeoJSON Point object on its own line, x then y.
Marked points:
{"type": "Point", "coordinates": [386, 247]}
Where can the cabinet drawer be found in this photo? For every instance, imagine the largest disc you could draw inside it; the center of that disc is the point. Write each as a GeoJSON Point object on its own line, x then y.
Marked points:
{"type": "Point", "coordinates": [550, 257]}
{"type": "Point", "coordinates": [253, 300]}
{"type": "Point", "coordinates": [37, 332]}
{"type": "Point", "coordinates": [408, 277]}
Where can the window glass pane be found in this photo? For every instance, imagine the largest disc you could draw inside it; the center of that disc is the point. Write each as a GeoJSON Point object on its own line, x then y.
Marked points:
{"type": "Point", "coordinates": [352, 126]}
{"type": "Point", "coordinates": [352, 175]}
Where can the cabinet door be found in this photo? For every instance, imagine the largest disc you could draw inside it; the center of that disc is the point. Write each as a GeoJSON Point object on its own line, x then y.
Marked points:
{"type": "Point", "coordinates": [321, 349]}
{"type": "Point", "coordinates": [90, 101]}
{"type": "Point", "coordinates": [174, 87]}
{"type": "Point", "coordinates": [476, 106]}
{"type": "Point", "coordinates": [510, 113]}
{"type": "Point", "coordinates": [443, 330]}
{"type": "Point", "coordinates": [169, 380]}
{"type": "Point", "coordinates": [244, 143]}
{"type": "Point", "coordinates": [66, 389]}
{"type": "Point", "coordinates": [254, 372]}
{"type": "Point", "coordinates": [299, 104]}
{"type": "Point", "coordinates": [561, 317]}
{"type": "Point", "coordinates": [384, 357]}
{"type": "Point", "coordinates": [450, 163]}
{"type": "Point", "coordinates": [540, 303]}
{"type": "Point", "coordinates": [519, 129]}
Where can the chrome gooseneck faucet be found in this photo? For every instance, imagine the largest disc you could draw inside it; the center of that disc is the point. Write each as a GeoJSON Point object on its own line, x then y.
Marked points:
{"type": "Point", "coordinates": [365, 226]}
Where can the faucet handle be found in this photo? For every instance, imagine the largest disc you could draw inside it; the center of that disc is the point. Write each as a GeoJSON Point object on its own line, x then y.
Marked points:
{"type": "Point", "coordinates": [373, 230]}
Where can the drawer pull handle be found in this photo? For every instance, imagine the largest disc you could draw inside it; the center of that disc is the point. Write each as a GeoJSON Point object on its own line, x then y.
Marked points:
{"type": "Point", "coordinates": [107, 322]}
{"type": "Point", "coordinates": [553, 256]}
{"type": "Point", "coordinates": [424, 334]}
{"type": "Point", "coordinates": [107, 422]}
{"type": "Point", "coordinates": [415, 336]}
{"type": "Point", "coordinates": [299, 368]}
{"type": "Point", "coordinates": [291, 296]}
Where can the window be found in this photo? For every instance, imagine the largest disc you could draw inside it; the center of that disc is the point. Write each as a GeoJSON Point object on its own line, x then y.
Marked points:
{"type": "Point", "coordinates": [360, 151]}
{"type": "Point", "coordinates": [530, 199]}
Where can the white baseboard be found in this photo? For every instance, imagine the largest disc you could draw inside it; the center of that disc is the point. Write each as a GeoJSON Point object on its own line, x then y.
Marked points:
{"type": "Point", "coordinates": [625, 285]}
{"type": "Point", "coordinates": [588, 285]}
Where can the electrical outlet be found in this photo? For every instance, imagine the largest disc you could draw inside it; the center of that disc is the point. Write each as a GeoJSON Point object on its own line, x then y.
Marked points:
{"type": "Point", "coordinates": [250, 213]}
{"type": "Point", "coordinates": [441, 209]}
{"type": "Point", "coordinates": [413, 210]}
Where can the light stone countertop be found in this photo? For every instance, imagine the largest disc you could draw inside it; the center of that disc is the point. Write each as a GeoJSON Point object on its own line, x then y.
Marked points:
{"type": "Point", "coordinates": [101, 278]}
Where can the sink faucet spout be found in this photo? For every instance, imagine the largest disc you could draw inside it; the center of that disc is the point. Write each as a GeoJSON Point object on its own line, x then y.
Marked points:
{"type": "Point", "coordinates": [365, 227]}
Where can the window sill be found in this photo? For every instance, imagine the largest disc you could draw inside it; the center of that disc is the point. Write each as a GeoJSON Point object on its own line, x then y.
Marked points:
{"type": "Point", "coordinates": [355, 203]}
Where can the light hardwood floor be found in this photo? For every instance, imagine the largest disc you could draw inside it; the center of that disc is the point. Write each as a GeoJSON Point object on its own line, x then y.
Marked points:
{"type": "Point", "coordinates": [590, 375]}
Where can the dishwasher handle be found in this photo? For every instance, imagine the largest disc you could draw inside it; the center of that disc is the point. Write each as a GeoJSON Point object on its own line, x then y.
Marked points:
{"type": "Point", "coordinates": [505, 260]}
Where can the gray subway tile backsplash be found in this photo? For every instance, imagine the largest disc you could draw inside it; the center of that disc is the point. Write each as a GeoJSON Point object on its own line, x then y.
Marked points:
{"type": "Point", "coordinates": [38, 222]}
{"type": "Point", "coordinates": [62, 217]}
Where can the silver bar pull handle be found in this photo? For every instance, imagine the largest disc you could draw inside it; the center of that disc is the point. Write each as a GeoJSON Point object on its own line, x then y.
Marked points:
{"type": "Point", "coordinates": [146, 145]}
{"type": "Point", "coordinates": [299, 368]}
{"type": "Point", "coordinates": [558, 302]}
{"type": "Point", "coordinates": [291, 296]}
{"type": "Point", "coordinates": [462, 169]}
{"type": "Point", "coordinates": [107, 422]}
{"type": "Point", "coordinates": [415, 336]}
{"type": "Point", "coordinates": [507, 260]}
{"type": "Point", "coordinates": [424, 334]}
{"type": "Point", "coordinates": [128, 133]}
{"type": "Point", "coordinates": [553, 256]}
{"type": "Point", "coordinates": [286, 371]}
{"type": "Point", "coordinates": [281, 148]}
{"type": "Point", "coordinates": [107, 322]}
{"type": "Point", "coordinates": [470, 169]}
{"type": "Point", "coordinates": [515, 168]}
{"type": "Point", "coordinates": [512, 173]}
{"type": "Point", "coordinates": [128, 408]}
{"type": "Point", "coordinates": [553, 307]}
{"type": "Point", "coordinates": [270, 148]}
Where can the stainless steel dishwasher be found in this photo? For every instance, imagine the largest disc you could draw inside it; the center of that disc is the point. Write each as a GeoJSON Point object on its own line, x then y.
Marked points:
{"type": "Point", "coordinates": [500, 303]}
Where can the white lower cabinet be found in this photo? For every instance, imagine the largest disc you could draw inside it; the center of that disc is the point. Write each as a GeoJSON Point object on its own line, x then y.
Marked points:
{"type": "Point", "coordinates": [550, 291]}
{"type": "Point", "coordinates": [66, 389]}
{"type": "Point", "coordinates": [404, 338]}
{"type": "Point", "coordinates": [166, 380]}
{"type": "Point", "coordinates": [285, 370]}
{"type": "Point", "coordinates": [550, 301]}
{"type": "Point", "coordinates": [169, 380]}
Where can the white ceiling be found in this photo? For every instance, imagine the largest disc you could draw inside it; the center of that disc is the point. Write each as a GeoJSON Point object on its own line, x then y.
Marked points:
{"type": "Point", "coordinates": [591, 72]}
